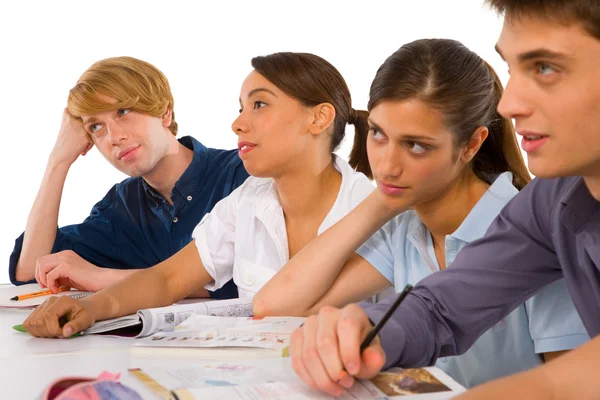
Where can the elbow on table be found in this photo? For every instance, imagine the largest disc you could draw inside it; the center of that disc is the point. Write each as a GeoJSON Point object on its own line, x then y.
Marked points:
{"type": "Point", "coordinates": [22, 274]}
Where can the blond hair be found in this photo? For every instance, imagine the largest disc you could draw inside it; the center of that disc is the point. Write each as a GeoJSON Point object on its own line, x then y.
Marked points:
{"type": "Point", "coordinates": [133, 83]}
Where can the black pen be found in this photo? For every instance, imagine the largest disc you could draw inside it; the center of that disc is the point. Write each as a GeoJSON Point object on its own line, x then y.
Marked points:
{"type": "Point", "coordinates": [385, 318]}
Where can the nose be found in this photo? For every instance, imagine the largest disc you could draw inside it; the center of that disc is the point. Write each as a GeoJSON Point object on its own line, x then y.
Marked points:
{"type": "Point", "coordinates": [389, 162]}
{"type": "Point", "coordinates": [240, 124]}
{"type": "Point", "coordinates": [116, 133]}
{"type": "Point", "coordinates": [513, 103]}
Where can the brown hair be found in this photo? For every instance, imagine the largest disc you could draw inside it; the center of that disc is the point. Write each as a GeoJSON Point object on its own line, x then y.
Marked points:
{"type": "Point", "coordinates": [455, 81]}
{"type": "Point", "coordinates": [312, 80]}
{"type": "Point", "coordinates": [133, 83]}
{"type": "Point", "coordinates": [585, 12]}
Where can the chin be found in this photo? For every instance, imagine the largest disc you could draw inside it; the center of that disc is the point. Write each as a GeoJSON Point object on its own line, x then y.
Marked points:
{"type": "Point", "coordinates": [548, 170]}
{"type": "Point", "coordinates": [258, 171]}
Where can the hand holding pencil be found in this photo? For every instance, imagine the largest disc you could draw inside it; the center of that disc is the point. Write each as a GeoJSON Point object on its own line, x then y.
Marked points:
{"type": "Point", "coordinates": [336, 346]}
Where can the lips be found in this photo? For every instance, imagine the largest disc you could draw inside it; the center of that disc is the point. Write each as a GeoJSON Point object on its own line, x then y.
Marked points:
{"type": "Point", "coordinates": [245, 147]}
{"type": "Point", "coordinates": [532, 141]}
{"type": "Point", "coordinates": [389, 189]}
{"type": "Point", "coordinates": [124, 153]}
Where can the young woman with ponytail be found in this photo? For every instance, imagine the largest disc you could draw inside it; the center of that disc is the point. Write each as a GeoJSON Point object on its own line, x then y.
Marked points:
{"type": "Point", "coordinates": [445, 163]}
{"type": "Point", "coordinates": [294, 108]}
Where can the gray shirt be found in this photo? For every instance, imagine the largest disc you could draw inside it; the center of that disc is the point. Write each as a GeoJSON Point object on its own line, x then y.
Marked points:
{"type": "Point", "coordinates": [550, 230]}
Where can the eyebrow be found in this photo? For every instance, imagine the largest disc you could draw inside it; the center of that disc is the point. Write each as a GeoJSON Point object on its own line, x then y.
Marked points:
{"type": "Point", "coordinates": [258, 90]}
{"type": "Point", "coordinates": [90, 120]}
{"type": "Point", "coordinates": [536, 54]}
{"type": "Point", "coordinates": [404, 136]}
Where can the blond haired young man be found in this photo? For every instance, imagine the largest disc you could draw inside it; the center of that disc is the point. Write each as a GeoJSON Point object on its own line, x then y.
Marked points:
{"type": "Point", "coordinates": [124, 107]}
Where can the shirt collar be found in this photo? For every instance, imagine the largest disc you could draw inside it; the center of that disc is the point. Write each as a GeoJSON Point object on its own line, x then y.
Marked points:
{"type": "Point", "coordinates": [579, 206]}
{"type": "Point", "coordinates": [192, 176]}
{"type": "Point", "coordinates": [486, 209]}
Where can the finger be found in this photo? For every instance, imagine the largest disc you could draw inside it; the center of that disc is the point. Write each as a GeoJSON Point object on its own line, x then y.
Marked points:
{"type": "Point", "coordinates": [34, 323]}
{"type": "Point", "coordinates": [51, 316]}
{"type": "Point", "coordinates": [87, 148]}
{"type": "Point", "coordinates": [296, 346]}
{"type": "Point", "coordinates": [352, 328]}
{"type": "Point", "coordinates": [37, 275]}
{"type": "Point", "coordinates": [373, 360]}
{"type": "Point", "coordinates": [327, 342]}
{"type": "Point", "coordinates": [44, 265]}
{"type": "Point", "coordinates": [53, 277]}
{"type": "Point", "coordinates": [77, 317]}
{"type": "Point", "coordinates": [313, 362]}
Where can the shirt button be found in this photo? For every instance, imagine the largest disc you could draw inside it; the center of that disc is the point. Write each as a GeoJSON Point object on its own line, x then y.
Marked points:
{"type": "Point", "coordinates": [175, 219]}
{"type": "Point", "coordinates": [249, 279]}
{"type": "Point", "coordinates": [189, 198]}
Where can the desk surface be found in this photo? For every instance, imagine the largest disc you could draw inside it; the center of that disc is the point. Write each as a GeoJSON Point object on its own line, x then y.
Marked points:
{"type": "Point", "coordinates": [28, 365]}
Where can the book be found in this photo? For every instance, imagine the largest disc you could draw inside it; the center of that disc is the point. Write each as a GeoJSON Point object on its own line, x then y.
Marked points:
{"type": "Point", "coordinates": [204, 331]}
{"type": "Point", "coordinates": [149, 321]}
{"type": "Point", "coordinates": [10, 291]}
{"type": "Point", "coordinates": [275, 378]}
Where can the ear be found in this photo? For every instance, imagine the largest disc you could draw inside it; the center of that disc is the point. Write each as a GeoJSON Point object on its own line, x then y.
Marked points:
{"type": "Point", "coordinates": [474, 144]}
{"type": "Point", "coordinates": [167, 118]}
{"type": "Point", "coordinates": [322, 117]}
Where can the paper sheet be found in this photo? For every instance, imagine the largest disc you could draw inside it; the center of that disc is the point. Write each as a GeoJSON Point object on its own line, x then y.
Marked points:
{"type": "Point", "coordinates": [276, 379]}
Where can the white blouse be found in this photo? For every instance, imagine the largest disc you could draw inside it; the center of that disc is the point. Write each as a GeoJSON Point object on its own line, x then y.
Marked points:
{"type": "Point", "coordinates": [244, 236]}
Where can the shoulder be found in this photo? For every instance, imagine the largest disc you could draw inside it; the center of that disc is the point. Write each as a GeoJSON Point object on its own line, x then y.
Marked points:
{"type": "Point", "coordinates": [542, 196]}
{"type": "Point", "coordinates": [355, 185]}
{"type": "Point", "coordinates": [252, 189]}
{"type": "Point", "coordinates": [124, 192]}
{"type": "Point", "coordinates": [402, 225]}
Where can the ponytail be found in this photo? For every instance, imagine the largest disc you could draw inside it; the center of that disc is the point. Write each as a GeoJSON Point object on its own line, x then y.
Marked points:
{"type": "Point", "coordinates": [359, 159]}
{"type": "Point", "coordinates": [502, 130]}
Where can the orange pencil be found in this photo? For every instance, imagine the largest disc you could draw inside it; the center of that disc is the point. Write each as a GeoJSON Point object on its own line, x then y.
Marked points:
{"type": "Point", "coordinates": [45, 292]}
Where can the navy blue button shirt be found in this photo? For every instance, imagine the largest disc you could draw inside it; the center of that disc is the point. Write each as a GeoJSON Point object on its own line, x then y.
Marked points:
{"type": "Point", "coordinates": [134, 227]}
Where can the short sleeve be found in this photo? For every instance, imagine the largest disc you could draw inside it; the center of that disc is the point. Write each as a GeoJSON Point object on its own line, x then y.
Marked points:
{"type": "Point", "coordinates": [215, 240]}
{"type": "Point", "coordinates": [95, 240]}
{"type": "Point", "coordinates": [377, 250]}
{"type": "Point", "coordinates": [554, 323]}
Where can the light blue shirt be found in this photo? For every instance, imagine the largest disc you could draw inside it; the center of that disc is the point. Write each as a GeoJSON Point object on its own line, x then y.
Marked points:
{"type": "Point", "coordinates": [402, 250]}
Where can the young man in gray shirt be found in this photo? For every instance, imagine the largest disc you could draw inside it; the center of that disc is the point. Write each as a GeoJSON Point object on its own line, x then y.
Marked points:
{"type": "Point", "coordinates": [549, 231]}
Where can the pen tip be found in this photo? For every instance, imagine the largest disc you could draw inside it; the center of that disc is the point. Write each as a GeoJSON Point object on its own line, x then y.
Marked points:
{"type": "Point", "coordinates": [15, 298]}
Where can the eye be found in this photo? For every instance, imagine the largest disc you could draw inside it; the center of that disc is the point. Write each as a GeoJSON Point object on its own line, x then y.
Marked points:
{"type": "Point", "coordinates": [544, 69]}
{"type": "Point", "coordinates": [93, 128]}
{"type": "Point", "coordinates": [123, 111]}
{"type": "Point", "coordinates": [376, 133]}
{"type": "Point", "coordinates": [416, 147]}
{"type": "Point", "coordinates": [259, 104]}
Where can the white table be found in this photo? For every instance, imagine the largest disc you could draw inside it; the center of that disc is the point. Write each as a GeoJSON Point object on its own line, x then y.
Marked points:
{"type": "Point", "coordinates": [28, 365]}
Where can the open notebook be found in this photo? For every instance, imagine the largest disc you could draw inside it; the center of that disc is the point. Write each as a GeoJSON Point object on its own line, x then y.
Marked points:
{"type": "Point", "coordinates": [263, 337]}
{"type": "Point", "coordinates": [10, 291]}
{"type": "Point", "coordinates": [276, 379]}
{"type": "Point", "coordinates": [152, 320]}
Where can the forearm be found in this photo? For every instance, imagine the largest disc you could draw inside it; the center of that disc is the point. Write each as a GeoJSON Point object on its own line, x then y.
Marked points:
{"type": "Point", "coordinates": [530, 385]}
{"type": "Point", "coordinates": [158, 286]}
{"type": "Point", "coordinates": [572, 376]}
{"type": "Point", "coordinates": [310, 274]}
{"type": "Point", "coordinates": [40, 231]}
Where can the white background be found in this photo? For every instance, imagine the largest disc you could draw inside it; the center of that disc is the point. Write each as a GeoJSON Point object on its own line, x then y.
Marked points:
{"type": "Point", "coordinates": [204, 48]}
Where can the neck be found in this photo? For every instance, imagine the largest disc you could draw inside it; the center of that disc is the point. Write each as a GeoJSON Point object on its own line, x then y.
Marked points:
{"type": "Point", "coordinates": [593, 185]}
{"type": "Point", "coordinates": [443, 215]}
{"type": "Point", "coordinates": [310, 189]}
{"type": "Point", "coordinates": [169, 169]}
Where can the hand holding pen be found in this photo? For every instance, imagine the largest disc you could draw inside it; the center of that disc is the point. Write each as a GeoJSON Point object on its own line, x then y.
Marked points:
{"type": "Point", "coordinates": [338, 345]}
